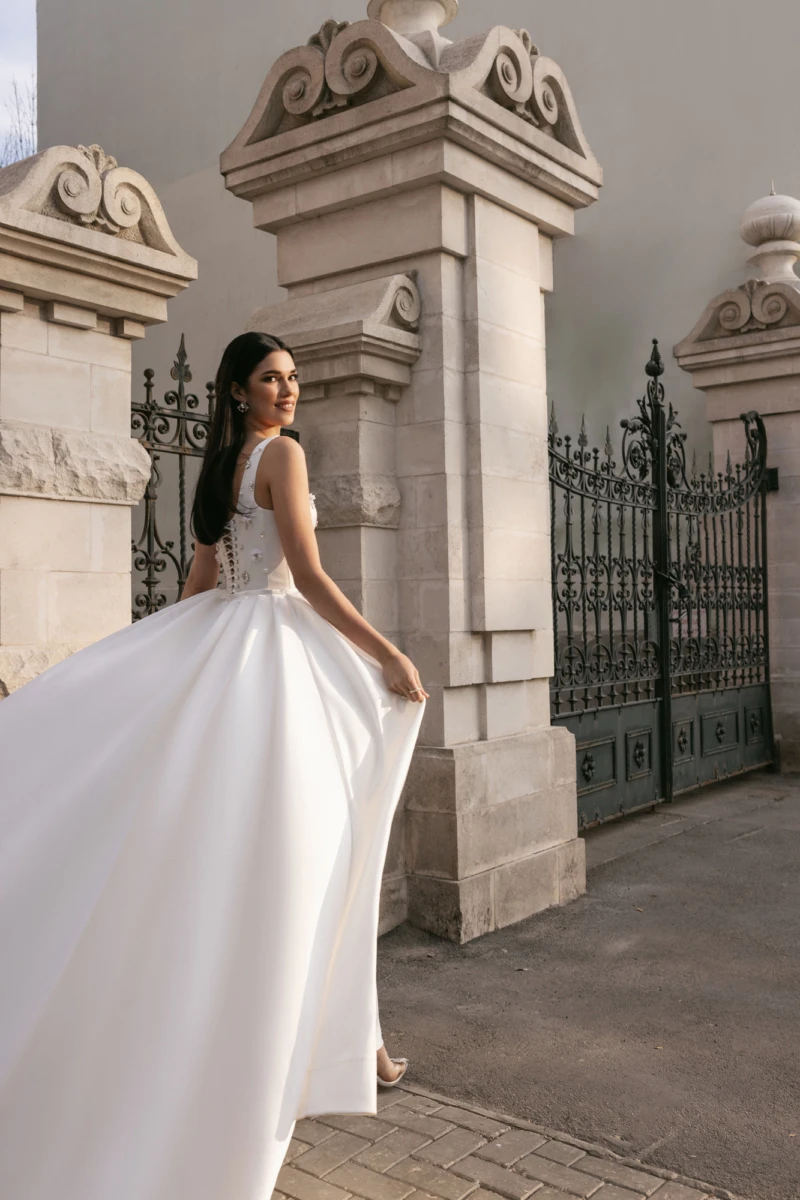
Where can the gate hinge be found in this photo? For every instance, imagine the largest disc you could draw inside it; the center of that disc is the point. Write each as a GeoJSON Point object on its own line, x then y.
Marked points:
{"type": "Point", "coordinates": [771, 479]}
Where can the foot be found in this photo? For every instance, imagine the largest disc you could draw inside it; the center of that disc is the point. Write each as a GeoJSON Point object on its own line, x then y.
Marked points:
{"type": "Point", "coordinates": [388, 1071]}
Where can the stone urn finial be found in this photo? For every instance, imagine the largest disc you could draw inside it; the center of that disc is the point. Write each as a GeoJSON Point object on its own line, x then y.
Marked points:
{"type": "Point", "coordinates": [772, 225]}
{"type": "Point", "coordinates": [412, 17]}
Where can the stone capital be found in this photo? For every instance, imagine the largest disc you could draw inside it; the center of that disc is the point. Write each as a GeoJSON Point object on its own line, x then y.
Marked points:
{"type": "Point", "coordinates": [359, 92]}
{"type": "Point", "coordinates": [76, 228]}
{"type": "Point", "coordinates": [364, 331]}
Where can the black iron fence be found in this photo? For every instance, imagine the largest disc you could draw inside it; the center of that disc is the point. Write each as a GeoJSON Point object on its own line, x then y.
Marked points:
{"type": "Point", "coordinates": [659, 609]}
{"type": "Point", "coordinates": [174, 431]}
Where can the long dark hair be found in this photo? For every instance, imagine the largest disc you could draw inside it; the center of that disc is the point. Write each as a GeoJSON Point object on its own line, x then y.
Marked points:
{"type": "Point", "coordinates": [211, 509]}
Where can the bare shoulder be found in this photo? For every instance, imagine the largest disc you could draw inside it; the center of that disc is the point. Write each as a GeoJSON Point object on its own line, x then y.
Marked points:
{"type": "Point", "coordinates": [285, 451]}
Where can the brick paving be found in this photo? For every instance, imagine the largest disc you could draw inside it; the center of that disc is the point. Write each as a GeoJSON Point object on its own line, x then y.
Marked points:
{"type": "Point", "coordinates": [419, 1147]}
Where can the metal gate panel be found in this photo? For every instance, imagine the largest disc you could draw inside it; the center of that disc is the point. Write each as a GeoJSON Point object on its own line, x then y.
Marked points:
{"type": "Point", "coordinates": [659, 610]}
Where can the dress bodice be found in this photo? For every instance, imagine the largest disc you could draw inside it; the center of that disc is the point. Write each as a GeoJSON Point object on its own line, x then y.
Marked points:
{"type": "Point", "coordinates": [250, 551]}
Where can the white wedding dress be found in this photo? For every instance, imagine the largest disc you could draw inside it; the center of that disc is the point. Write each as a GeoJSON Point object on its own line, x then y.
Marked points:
{"type": "Point", "coordinates": [194, 815]}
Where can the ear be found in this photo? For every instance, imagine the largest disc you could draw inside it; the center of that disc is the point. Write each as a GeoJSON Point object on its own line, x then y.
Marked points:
{"type": "Point", "coordinates": [236, 391]}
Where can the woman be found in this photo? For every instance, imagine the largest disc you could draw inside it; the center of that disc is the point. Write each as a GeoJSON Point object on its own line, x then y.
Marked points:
{"type": "Point", "coordinates": [193, 821]}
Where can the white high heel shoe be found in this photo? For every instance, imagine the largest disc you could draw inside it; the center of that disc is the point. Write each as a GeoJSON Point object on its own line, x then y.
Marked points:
{"type": "Point", "coordinates": [390, 1083]}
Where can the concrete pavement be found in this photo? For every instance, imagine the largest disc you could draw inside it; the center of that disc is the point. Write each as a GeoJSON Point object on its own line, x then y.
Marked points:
{"type": "Point", "coordinates": [658, 1016]}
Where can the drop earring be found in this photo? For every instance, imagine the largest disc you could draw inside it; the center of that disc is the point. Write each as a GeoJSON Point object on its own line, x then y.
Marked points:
{"type": "Point", "coordinates": [243, 408]}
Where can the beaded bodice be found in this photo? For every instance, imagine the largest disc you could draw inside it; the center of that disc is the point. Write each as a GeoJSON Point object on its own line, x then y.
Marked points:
{"type": "Point", "coordinates": [250, 551]}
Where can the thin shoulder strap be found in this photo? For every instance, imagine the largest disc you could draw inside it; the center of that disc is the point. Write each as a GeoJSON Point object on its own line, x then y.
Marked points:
{"type": "Point", "coordinates": [248, 485]}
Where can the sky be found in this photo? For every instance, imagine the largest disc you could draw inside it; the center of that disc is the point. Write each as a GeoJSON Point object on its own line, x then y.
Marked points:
{"type": "Point", "coordinates": [17, 49]}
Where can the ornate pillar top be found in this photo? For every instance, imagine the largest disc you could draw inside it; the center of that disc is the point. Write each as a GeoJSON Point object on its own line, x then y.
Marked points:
{"type": "Point", "coordinates": [360, 91]}
{"type": "Point", "coordinates": [409, 17]}
{"type": "Point", "coordinates": [772, 225]}
{"type": "Point", "coordinates": [760, 310]}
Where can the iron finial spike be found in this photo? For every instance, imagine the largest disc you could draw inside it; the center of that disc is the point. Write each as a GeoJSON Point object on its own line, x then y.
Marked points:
{"type": "Point", "coordinates": [583, 439]}
{"type": "Point", "coordinates": [609, 449]}
{"type": "Point", "coordinates": [553, 425]}
{"type": "Point", "coordinates": [655, 365]}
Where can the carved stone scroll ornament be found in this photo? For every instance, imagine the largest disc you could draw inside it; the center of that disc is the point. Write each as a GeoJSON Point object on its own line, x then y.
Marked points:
{"type": "Point", "coordinates": [345, 65]}
{"type": "Point", "coordinates": [82, 185]}
{"type": "Point", "coordinates": [751, 308]}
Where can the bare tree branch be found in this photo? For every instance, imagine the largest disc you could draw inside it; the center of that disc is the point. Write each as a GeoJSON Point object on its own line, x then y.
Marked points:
{"type": "Point", "coordinates": [21, 138]}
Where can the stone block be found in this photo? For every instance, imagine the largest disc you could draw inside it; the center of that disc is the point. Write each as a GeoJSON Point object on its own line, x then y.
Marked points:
{"type": "Point", "coordinates": [525, 887]}
{"type": "Point", "coordinates": [503, 298]}
{"type": "Point", "coordinates": [421, 448]}
{"type": "Point", "coordinates": [379, 551]}
{"type": "Point", "coordinates": [491, 351]}
{"type": "Point", "coordinates": [84, 607]}
{"type": "Point", "coordinates": [110, 537]}
{"type": "Point", "coordinates": [86, 345]}
{"type": "Point", "coordinates": [571, 869]}
{"type": "Point", "coordinates": [45, 535]}
{"type": "Point", "coordinates": [11, 302]}
{"type": "Point", "coordinates": [545, 263]}
{"type": "Point", "coordinates": [518, 767]}
{"type": "Point", "coordinates": [564, 762]}
{"type": "Point", "coordinates": [458, 910]}
{"type": "Point", "coordinates": [134, 331]}
{"type": "Point", "coordinates": [393, 903]}
{"type": "Point", "coordinates": [70, 315]}
{"type": "Point", "coordinates": [506, 709]}
{"type": "Point", "coordinates": [432, 842]}
{"type": "Point", "coordinates": [44, 390]}
{"type": "Point", "coordinates": [110, 392]}
{"type": "Point", "coordinates": [463, 715]}
{"type": "Point", "coordinates": [526, 605]}
{"type": "Point", "coordinates": [423, 221]}
{"type": "Point", "coordinates": [515, 829]}
{"type": "Point", "coordinates": [507, 458]}
{"type": "Point", "coordinates": [543, 654]}
{"type": "Point", "coordinates": [69, 463]}
{"type": "Point", "coordinates": [341, 552]}
{"type": "Point", "coordinates": [513, 555]}
{"type": "Point", "coordinates": [430, 1180]}
{"type": "Point", "coordinates": [23, 608]}
{"type": "Point", "coordinates": [428, 553]}
{"type": "Point", "coordinates": [503, 237]}
{"type": "Point", "coordinates": [509, 656]}
{"type": "Point", "coordinates": [438, 395]}
{"type": "Point", "coordinates": [23, 330]}
{"type": "Point", "coordinates": [433, 608]}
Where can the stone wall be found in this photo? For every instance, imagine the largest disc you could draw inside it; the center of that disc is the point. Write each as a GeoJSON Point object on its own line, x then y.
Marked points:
{"type": "Point", "coordinates": [87, 262]}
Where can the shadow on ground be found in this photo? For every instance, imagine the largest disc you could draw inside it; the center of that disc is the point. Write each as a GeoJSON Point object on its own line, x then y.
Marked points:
{"type": "Point", "coordinates": [658, 1015]}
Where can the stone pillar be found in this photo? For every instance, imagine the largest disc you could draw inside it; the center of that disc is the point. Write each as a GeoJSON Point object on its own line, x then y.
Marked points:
{"type": "Point", "coordinates": [744, 353]}
{"type": "Point", "coordinates": [87, 262]}
{"type": "Point", "coordinates": [416, 187]}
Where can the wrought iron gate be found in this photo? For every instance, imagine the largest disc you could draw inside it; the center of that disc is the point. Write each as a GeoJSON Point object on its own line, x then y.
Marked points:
{"type": "Point", "coordinates": [659, 610]}
{"type": "Point", "coordinates": [178, 428]}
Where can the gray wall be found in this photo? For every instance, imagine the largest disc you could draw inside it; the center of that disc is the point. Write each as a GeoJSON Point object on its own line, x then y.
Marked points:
{"type": "Point", "coordinates": [690, 106]}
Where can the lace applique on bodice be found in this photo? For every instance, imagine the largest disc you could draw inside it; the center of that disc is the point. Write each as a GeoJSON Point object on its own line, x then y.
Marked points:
{"type": "Point", "coordinates": [250, 551]}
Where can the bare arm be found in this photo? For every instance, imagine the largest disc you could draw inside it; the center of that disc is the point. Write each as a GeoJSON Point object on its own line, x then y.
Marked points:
{"type": "Point", "coordinates": [286, 476]}
{"type": "Point", "coordinates": [203, 573]}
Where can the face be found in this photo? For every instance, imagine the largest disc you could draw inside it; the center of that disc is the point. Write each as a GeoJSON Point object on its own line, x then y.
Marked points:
{"type": "Point", "coordinates": [271, 393]}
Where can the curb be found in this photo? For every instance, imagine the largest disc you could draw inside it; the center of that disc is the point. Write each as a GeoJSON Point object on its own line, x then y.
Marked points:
{"type": "Point", "coordinates": [590, 1147]}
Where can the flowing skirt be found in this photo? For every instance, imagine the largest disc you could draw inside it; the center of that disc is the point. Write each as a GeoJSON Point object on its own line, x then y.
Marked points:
{"type": "Point", "coordinates": [194, 815]}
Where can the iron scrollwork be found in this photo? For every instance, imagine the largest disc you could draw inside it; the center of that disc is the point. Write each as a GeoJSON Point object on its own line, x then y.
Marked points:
{"type": "Point", "coordinates": [659, 586]}
{"type": "Point", "coordinates": [178, 428]}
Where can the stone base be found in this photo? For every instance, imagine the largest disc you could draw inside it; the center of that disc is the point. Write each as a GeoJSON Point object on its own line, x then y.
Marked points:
{"type": "Point", "coordinates": [394, 903]}
{"type": "Point", "coordinates": [463, 909]}
{"type": "Point", "coordinates": [492, 833]}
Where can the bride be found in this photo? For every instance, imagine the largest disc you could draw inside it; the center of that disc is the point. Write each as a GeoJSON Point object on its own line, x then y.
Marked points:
{"type": "Point", "coordinates": [194, 815]}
